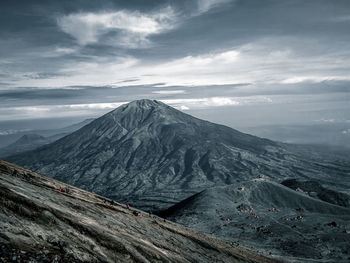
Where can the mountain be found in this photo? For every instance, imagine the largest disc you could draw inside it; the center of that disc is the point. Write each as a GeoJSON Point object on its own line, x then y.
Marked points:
{"type": "Point", "coordinates": [270, 217]}
{"type": "Point", "coordinates": [25, 143]}
{"type": "Point", "coordinates": [31, 141]}
{"type": "Point", "coordinates": [41, 224]}
{"type": "Point", "coordinates": [154, 156]}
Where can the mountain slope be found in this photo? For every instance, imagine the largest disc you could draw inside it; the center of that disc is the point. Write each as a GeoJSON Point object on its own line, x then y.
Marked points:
{"type": "Point", "coordinates": [41, 224]}
{"type": "Point", "coordinates": [271, 218]}
{"type": "Point", "coordinates": [154, 156]}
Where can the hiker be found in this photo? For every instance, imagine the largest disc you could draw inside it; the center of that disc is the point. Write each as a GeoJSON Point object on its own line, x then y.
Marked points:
{"type": "Point", "coordinates": [15, 172]}
{"type": "Point", "coordinates": [127, 206]}
{"type": "Point", "coordinates": [136, 213]}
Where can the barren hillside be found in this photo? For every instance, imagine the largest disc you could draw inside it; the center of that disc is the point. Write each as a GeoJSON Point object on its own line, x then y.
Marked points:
{"type": "Point", "coordinates": [41, 223]}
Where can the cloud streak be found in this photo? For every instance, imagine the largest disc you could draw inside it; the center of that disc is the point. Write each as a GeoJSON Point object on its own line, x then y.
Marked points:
{"type": "Point", "coordinates": [262, 63]}
{"type": "Point", "coordinates": [169, 92]}
{"type": "Point", "coordinates": [129, 29]}
{"type": "Point", "coordinates": [96, 109]}
{"type": "Point", "coordinates": [205, 5]}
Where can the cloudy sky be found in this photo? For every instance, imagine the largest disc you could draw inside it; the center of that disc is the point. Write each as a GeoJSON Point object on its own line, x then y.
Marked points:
{"type": "Point", "coordinates": [238, 62]}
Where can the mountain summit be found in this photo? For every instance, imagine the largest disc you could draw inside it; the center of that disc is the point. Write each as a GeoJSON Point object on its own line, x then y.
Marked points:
{"type": "Point", "coordinates": [154, 156]}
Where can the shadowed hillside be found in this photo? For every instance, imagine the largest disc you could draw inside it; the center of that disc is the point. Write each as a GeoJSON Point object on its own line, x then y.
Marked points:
{"type": "Point", "coordinates": [270, 218]}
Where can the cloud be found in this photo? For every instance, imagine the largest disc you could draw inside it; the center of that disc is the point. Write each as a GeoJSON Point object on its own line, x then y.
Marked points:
{"type": "Point", "coordinates": [326, 120]}
{"type": "Point", "coordinates": [208, 102]}
{"type": "Point", "coordinates": [11, 131]}
{"type": "Point", "coordinates": [99, 71]}
{"type": "Point", "coordinates": [112, 105]}
{"type": "Point", "coordinates": [169, 92]}
{"type": "Point", "coordinates": [217, 68]}
{"type": "Point", "coordinates": [265, 62]}
{"type": "Point", "coordinates": [332, 120]}
{"type": "Point", "coordinates": [100, 108]}
{"type": "Point", "coordinates": [128, 29]}
{"type": "Point", "coordinates": [58, 51]}
{"type": "Point", "coordinates": [205, 5]}
{"type": "Point", "coordinates": [56, 111]}
{"type": "Point", "coordinates": [131, 29]}
{"type": "Point", "coordinates": [222, 58]}
{"type": "Point", "coordinates": [41, 75]}
{"type": "Point", "coordinates": [314, 79]}
{"type": "Point", "coordinates": [183, 108]}
{"type": "Point", "coordinates": [345, 18]}
{"type": "Point", "coordinates": [346, 131]}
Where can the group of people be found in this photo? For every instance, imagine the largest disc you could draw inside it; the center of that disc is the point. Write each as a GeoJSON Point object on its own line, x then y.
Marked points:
{"type": "Point", "coordinates": [64, 190]}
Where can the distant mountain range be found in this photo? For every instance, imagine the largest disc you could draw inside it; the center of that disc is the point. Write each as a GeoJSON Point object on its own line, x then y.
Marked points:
{"type": "Point", "coordinates": [154, 156]}
{"type": "Point", "coordinates": [25, 143]}
{"type": "Point", "coordinates": [19, 142]}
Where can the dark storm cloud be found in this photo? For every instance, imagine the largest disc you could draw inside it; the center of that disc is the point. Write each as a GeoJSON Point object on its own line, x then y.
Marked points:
{"type": "Point", "coordinates": [29, 94]}
{"type": "Point", "coordinates": [32, 25]}
{"type": "Point", "coordinates": [35, 23]}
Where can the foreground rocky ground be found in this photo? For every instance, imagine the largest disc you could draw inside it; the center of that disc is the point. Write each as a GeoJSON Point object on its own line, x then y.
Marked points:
{"type": "Point", "coordinates": [39, 223]}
